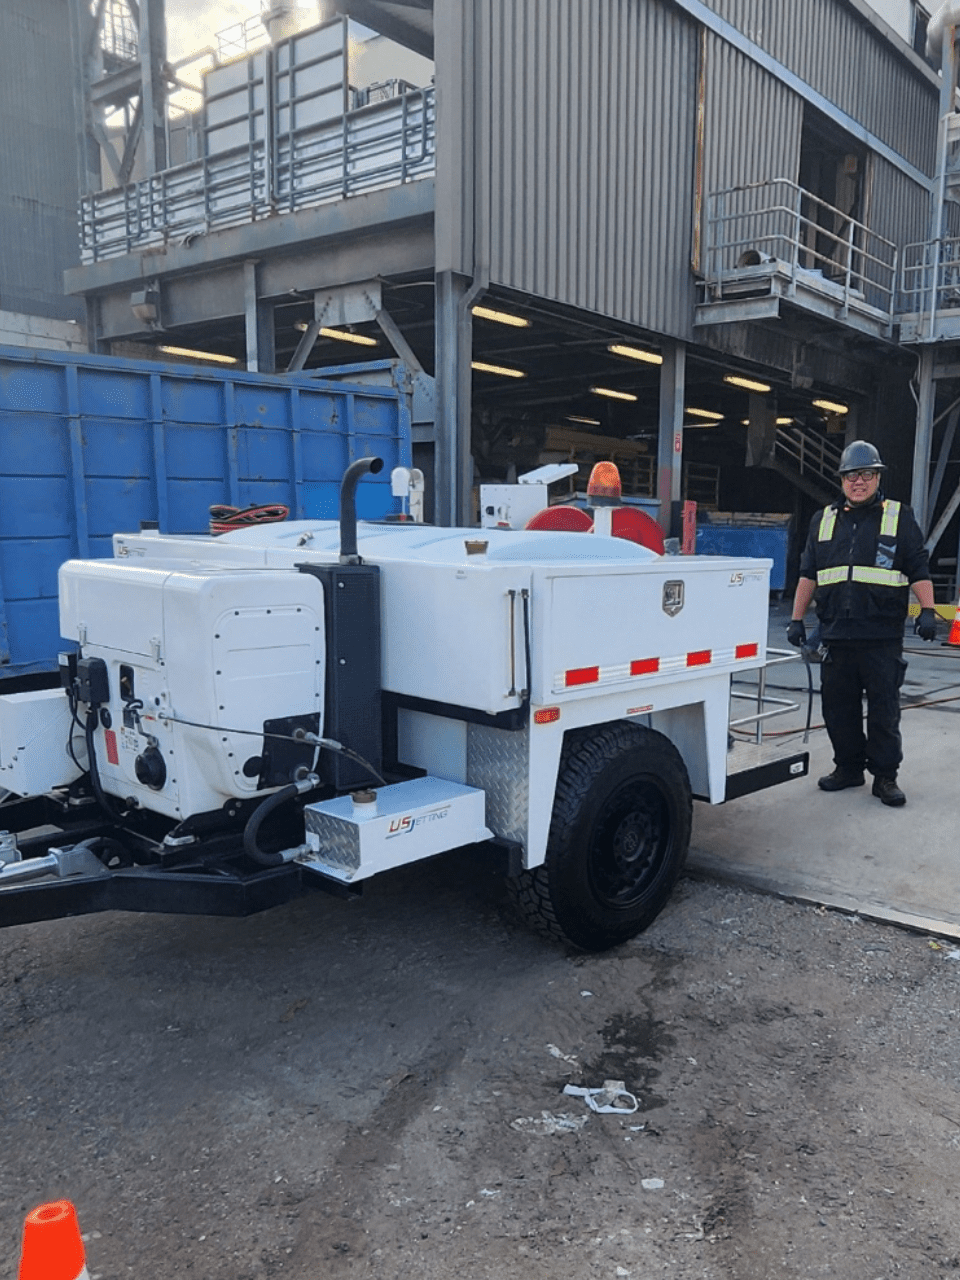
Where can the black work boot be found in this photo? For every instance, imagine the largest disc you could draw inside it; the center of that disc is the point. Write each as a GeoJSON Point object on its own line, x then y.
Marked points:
{"type": "Point", "coordinates": [887, 792]}
{"type": "Point", "coordinates": [840, 779]}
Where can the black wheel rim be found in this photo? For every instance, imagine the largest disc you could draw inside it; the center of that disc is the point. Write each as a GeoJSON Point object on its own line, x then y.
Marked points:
{"type": "Point", "coordinates": [631, 838]}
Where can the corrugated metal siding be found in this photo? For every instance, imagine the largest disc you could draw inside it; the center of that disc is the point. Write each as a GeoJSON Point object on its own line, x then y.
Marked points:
{"type": "Point", "coordinates": [38, 159]}
{"type": "Point", "coordinates": [585, 133]}
{"type": "Point", "coordinates": [839, 55]}
{"type": "Point", "coordinates": [581, 118]}
{"type": "Point", "coordinates": [752, 122]}
{"type": "Point", "coordinates": [899, 210]}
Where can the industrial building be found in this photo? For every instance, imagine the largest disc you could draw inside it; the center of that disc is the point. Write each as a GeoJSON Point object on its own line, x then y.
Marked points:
{"type": "Point", "coordinates": [38, 177]}
{"type": "Point", "coordinates": [671, 232]}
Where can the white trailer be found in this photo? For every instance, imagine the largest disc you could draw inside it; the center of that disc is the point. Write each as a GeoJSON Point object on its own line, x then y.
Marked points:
{"type": "Point", "coordinates": [306, 705]}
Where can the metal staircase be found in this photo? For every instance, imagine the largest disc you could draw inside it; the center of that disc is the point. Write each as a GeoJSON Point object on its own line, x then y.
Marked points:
{"type": "Point", "coordinates": [808, 460]}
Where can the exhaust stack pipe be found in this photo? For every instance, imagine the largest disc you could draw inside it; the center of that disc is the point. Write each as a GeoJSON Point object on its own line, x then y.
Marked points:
{"type": "Point", "coordinates": [947, 16]}
{"type": "Point", "coordinates": [348, 507]}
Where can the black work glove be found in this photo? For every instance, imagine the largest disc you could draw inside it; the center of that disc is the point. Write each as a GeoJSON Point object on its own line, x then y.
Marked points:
{"type": "Point", "coordinates": [797, 633]}
{"type": "Point", "coordinates": [926, 625]}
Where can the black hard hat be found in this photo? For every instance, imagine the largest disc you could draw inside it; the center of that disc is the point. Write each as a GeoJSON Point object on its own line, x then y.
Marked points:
{"type": "Point", "coordinates": [858, 455]}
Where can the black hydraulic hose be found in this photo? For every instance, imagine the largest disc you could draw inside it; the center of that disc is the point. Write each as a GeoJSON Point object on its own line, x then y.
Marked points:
{"type": "Point", "coordinates": [348, 507]}
{"type": "Point", "coordinates": [809, 666]}
{"type": "Point", "coordinates": [251, 830]}
{"type": "Point", "coordinates": [93, 718]}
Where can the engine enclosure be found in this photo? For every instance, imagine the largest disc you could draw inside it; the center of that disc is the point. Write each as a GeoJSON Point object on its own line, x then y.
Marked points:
{"type": "Point", "coordinates": [225, 649]}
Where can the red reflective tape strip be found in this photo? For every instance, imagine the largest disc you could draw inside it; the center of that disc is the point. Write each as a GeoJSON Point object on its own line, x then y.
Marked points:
{"type": "Point", "coordinates": [746, 651]}
{"type": "Point", "coordinates": [582, 675]}
{"type": "Point", "coordinates": [644, 666]}
{"type": "Point", "coordinates": [111, 741]}
{"type": "Point", "coordinates": [700, 658]}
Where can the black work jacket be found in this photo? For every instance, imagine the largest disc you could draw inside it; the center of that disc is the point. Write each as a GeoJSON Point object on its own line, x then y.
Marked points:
{"type": "Point", "coordinates": [863, 610]}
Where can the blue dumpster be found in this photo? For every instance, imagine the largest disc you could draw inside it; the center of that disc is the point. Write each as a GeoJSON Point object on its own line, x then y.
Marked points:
{"type": "Point", "coordinates": [768, 540]}
{"type": "Point", "coordinates": [92, 445]}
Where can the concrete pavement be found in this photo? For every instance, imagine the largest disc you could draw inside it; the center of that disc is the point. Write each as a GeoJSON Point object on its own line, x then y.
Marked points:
{"type": "Point", "coordinates": [845, 849]}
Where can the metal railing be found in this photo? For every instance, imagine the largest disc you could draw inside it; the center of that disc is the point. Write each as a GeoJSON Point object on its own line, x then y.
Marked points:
{"type": "Point", "coordinates": [381, 145]}
{"type": "Point", "coordinates": [779, 225]}
{"type": "Point", "coordinates": [241, 38]}
{"type": "Point", "coordinates": [779, 706]}
{"type": "Point", "coordinates": [931, 278]}
{"type": "Point", "coordinates": [809, 454]}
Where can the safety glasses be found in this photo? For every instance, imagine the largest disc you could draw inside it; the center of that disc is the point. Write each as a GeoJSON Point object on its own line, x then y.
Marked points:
{"type": "Point", "coordinates": [868, 473]}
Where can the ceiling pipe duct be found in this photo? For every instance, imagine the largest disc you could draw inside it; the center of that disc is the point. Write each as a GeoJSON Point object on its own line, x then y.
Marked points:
{"type": "Point", "coordinates": [948, 15]}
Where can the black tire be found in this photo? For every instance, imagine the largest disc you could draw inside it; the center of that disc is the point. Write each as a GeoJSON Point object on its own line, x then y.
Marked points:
{"type": "Point", "coordinates": [618, 838]}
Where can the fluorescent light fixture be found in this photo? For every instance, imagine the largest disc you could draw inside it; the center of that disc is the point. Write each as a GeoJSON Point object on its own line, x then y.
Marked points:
{"type": "Point", "coordinates": [748, 384]}
{"type": "Point", "coordinates": [613, 395]}
{"type": "Point", "coordinates": [499, 369]}
{"type": "Point", "coordinates": [784, 422]}
{"type": "Point", "coordinates": [634, 353]}
{"type": "Point", "coordinates": [831, 406]}
{"type": "Point", "coordinates": [501, 317]}
{"type": "Point", "coordinates": [704, 413]}
{"type": "Point", "coordinates": [199, 355]}
{"type": "Point", "coordinates": [587, 422]}
{"type": "Point", "coordinates": [341, 335]}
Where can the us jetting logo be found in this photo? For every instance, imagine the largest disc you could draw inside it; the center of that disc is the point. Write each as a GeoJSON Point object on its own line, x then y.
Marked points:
{"type": "Point", "coordinates": [403, 826]}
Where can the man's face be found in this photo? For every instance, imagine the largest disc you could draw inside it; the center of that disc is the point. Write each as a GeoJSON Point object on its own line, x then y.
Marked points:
{"type": "Point", "coordinates": [860, 486]}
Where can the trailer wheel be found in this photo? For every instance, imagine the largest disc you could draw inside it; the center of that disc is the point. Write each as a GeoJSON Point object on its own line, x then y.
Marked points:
{"type": "Point", "coordinates": [618, 838]}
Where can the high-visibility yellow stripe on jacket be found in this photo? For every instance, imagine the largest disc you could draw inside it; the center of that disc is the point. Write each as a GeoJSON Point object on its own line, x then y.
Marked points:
{"type": "Point", "coordinates": [889, 522]}
{"type": "Point", "coordinates": [882, 577]}
{"type": "Point", "coordinates": [890, 519]}
{"type": "Point", "coordinates": [861, 573]}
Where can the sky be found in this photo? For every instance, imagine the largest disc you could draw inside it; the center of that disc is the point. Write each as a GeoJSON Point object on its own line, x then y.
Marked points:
{"type": "Point", "coordinates": [192, 24]}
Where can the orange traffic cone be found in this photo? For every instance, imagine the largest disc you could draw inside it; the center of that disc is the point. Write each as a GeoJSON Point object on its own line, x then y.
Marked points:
{"type": "Point", "coordinates": [52, 1248]}
{"type": "Point", "coordinates": [954, 636]}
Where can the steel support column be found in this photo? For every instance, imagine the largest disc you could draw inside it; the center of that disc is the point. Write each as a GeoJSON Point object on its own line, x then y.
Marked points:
{"type": "Point", "coordinates": [670, 446]}
{"type": "Point", "coordinates": [153, 87]}
{"type": "Point", "coordinates": [86, 62]}
{"type": "Point", "coordinates": [453, 343]}
{"type": "Point", "coordinates": [923, 442]}
{"type": "Point", "coordinates": [106, 77]}
{"type": "Point", "coordinates": [761, 430]}
{"type": "Point", "coordinates": [258, 317]}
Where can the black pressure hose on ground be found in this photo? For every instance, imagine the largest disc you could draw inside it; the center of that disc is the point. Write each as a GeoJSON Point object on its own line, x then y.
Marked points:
{"type": "Point", "coordinates": [809, 665]}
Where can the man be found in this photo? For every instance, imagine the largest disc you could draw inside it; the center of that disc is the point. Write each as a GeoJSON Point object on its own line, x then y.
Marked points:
{"type": "Point", "coordinates": [862, 556]}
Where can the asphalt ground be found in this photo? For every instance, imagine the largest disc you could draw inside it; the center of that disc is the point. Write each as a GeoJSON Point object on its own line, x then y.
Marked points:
{"type": "Point", "coordinates": [845, 849]}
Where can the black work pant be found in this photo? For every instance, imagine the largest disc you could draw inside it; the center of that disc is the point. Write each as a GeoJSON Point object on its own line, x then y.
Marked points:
{"type": "Point", "coordinates": [849, 672]}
